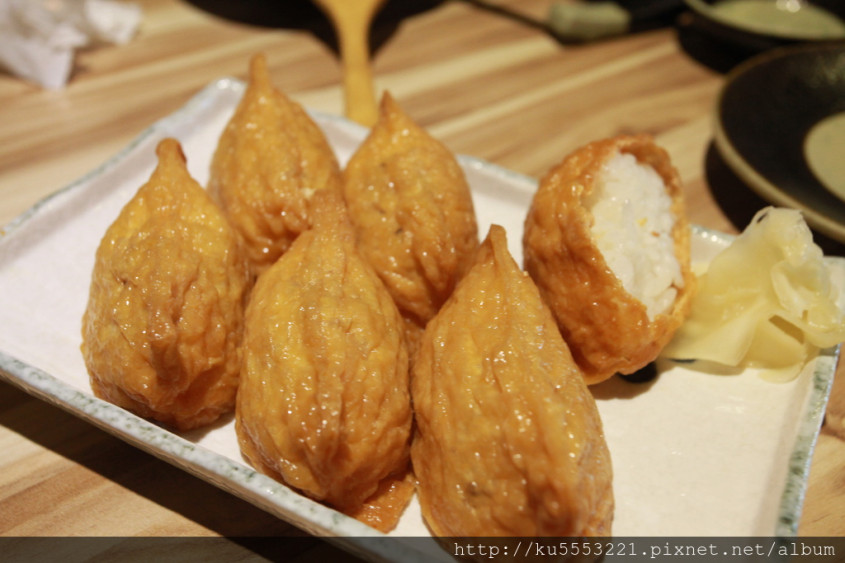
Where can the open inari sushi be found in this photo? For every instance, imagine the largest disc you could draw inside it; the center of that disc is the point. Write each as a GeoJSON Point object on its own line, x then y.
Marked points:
{"type": "Point", "coordinates": [607, 242]}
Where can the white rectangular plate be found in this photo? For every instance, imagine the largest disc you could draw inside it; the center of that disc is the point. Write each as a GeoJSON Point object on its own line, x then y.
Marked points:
{"type": "Point", "coordinates": [693, 454]}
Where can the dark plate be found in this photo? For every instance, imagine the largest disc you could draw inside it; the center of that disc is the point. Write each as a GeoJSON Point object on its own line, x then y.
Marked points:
{"type": "Point", "coordinates": [764, 114]}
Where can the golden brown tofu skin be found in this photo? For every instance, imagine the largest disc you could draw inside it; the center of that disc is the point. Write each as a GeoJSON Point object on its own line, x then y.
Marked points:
{"type": "Point", "coordinates": [270, 159]}
{"type": "Point", "coordinates": [508, 438]}
{"type": "Point", "coordinates": [607, 329]}
{"type": "Point", "coordinates": [413, 213]}
{"type": "Point", "coordinates": [324, 404]}
{"type": "Point", "coordinates": [385, 507]}
{"type": "Point", "coordinates": [162, 329]}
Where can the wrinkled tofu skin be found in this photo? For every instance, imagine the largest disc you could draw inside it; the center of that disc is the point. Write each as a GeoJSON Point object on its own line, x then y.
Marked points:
{"type": "Point", "coordinates": [163, 325]}
{"type": "Point", "coordinates": [508, 438]}
{"type": "Point", "coordinates": [607, 329]}
{"type": "Point", "coordinates": [413, 213]}
{"type": "Point", "coordinates": [324, 403]}
{"type": "Point", "coordinates": [385, 507]}
{"type": "Point", "coordinates": [270, 159]}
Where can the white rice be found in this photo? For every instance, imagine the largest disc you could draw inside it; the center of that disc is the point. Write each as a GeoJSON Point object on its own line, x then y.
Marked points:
{"type": "Point", "coordinates": [633, 230]}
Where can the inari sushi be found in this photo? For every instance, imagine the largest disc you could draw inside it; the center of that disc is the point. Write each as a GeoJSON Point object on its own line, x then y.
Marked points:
{"type": "Point", "coordinates": [412, 210]}
{"type": "Point", "coordinates": [607, 242]}
{"type": "Point", "coordinates": [161, 333]}
{"type": "Point", "coordinates": [269, 161]}
{"type": "Point", "coordinates": [508, 440]}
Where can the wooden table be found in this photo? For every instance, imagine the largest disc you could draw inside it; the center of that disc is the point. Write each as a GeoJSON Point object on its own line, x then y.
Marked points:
{"type": "Point", "coordinates": [487, 84]}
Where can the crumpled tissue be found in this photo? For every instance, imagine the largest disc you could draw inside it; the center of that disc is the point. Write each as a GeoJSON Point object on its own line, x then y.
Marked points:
{"type": "Point", "coordinates": [39, 38]}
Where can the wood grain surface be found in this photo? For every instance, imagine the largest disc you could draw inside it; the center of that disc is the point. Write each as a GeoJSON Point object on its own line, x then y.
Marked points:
{"type": "Point", "coordinates": [482, 77]}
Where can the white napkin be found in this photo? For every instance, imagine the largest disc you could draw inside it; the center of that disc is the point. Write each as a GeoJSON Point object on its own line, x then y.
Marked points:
{"type": "Point", "coordinates": [39, 38]}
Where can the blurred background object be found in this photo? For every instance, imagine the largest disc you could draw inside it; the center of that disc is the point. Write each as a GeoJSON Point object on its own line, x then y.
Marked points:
{"type": "Point", "coordinates": [39, 38]}
{"type": "Point", "coordinates": [758, 25]}
{"type": "Point", "coordinates": [352, 22]}
{"type": "Point", "coordinates": [589, 21]}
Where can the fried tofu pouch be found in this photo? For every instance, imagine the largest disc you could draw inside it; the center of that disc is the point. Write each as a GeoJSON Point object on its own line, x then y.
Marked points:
{"type": "Point", "coordinates": [608, 328]}
{"type": "Point", "coordinates": [324, 403]}
{"type": "Point", "coordinates": [162, 330]}
{"type": "Point", "coordinates": [413, 213]}
{"type": "Point", "coordinates": [270, 159]}
{"type": "Point", "coordinates": [508, 438]}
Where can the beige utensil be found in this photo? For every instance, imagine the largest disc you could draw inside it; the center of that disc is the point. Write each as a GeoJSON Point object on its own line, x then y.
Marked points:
{"type": "Point", "coordinates": [352, 20]}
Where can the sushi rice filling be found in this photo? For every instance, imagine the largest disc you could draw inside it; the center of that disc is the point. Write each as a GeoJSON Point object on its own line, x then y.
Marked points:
{"type": "Point", "coordinates": [632, 228]}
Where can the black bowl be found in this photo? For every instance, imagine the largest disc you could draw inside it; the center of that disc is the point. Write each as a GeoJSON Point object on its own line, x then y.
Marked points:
{"type": "Point", "coordinates": [816, 20]}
